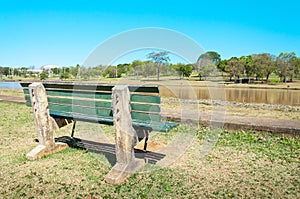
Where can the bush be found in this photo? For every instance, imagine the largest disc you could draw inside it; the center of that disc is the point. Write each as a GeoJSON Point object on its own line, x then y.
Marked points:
{"type": "Point", "coordinates": [64, 76]}
{"type": "Point", "coordinates": [43, 75]}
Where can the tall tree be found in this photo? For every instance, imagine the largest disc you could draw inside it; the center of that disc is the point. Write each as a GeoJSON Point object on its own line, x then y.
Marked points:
{"type": "Point", "coordinates": [296, 64]}
{"type": "Point", "coordinates": [285, 66]}
{"type": "Point", "coordinates": [135, 67]}
{"type": "Point", "coordinates": [264, 65]}
{"type": "Point", "coordinates": [247, 64]}
{"type": "Point", "coordinates": [160, 59]}
{"type": "Point", "coordinates": [212, 56]}
{"type": "Point", "coordinates": [234, 67]}
{"type": "Point", "coordinates": [207, 63]}
{"type": "Point", "coordinates": [6, 71]}
{"type": "Point", "coordinates": [75, 70]}
{"type": "Point", "coordinates": [184, 70]}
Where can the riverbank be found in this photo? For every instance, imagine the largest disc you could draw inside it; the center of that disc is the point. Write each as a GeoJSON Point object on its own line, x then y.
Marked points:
{"type": "Point", "coordinates": [231, 115]}
{"type": "Point", "coordinates": [207, 90]}
{"type": "Point", "coordinates": [295, 85]}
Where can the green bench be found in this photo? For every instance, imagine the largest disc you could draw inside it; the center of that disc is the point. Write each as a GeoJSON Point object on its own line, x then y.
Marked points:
{"type": "Point", "coordinates": [67, 102]}
{"type": "Point", "coordinates": [93, 103]}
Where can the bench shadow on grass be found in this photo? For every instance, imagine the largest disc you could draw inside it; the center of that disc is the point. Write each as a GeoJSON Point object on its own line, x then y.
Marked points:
{"type": "Point", "coordinates": [108, 150]}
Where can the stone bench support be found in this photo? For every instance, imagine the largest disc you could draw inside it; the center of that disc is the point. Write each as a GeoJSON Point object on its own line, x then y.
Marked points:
{"type": "Point", "coordinates": [125, 137]}
{"type": "Point", "coordinates": [45, 124]}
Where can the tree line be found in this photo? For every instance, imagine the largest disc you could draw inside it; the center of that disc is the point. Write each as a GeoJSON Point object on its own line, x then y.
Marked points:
{"type": "Point", "coordinates": [256, 66]}
{"type": "Point", "coordinates": [259, 66]}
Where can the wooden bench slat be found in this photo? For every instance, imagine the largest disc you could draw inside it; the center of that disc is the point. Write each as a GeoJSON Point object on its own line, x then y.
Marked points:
{"type": "Point", "coordinates": [79, 94]}
{"type": "Point", "coordinates": [97, 95]}
{"type": "Point", "coordinates": [81, 110]}
{"type": "Point", "coordinates": [79, 102]}
{"type": "Point", "coordinates": [140, 107]}
{"type": "Point", "coordinates": [145, 98]}
{"type": "Point", "coordinates": [152, 108]}
{"type": "Point", "coordinates": [156, 126]}
{"type": "Point", "coordinates": [95, 87]}
{"type": "Point", "coordinates": [102, 112]}
{"type": "Point", "coordinates": [146, 116]}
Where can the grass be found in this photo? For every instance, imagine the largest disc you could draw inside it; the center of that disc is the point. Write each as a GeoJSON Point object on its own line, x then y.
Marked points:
{"type": "Point", "coordinates": [12, 92]}
{"type": "Point", "coordinates": [243, 164]}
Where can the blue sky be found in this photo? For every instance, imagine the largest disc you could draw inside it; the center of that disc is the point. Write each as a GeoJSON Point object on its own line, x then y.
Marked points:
{"type": "Point", "coordinates": [66, 32]}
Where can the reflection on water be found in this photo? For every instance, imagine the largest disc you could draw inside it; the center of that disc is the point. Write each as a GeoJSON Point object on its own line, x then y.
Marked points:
{"type": "Point", "coordinates": [246, 95]}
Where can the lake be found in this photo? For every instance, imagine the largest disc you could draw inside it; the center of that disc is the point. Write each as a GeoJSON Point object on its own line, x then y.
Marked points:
{"type": "Point", "coordinates": [12, 85]}
{"type": "Point", "coordinates": [246, 95]}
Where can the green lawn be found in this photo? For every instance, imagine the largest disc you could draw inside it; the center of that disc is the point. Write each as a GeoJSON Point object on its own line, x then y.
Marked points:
{"type": "Point", "coordinates": [242, 164]}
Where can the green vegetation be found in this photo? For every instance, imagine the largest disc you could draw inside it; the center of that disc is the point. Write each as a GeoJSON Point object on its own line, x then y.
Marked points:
{"type": "Point", "coordinates": [243, 164]}
{"type": "Point", "coordinates": [256, 68]}
{"type": "Point", "coordinates": [43, 76]}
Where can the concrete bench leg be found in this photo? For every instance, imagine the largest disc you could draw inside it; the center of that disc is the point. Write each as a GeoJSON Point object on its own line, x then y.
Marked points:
{"type": "Point", "coordinates": [45, 124]}
{"type": "Point", "coordinates": [125, 137]}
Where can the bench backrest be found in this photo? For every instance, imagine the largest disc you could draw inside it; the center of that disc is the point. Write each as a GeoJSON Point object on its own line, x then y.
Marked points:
{"type": "Point", "coordinates": [93, 102]}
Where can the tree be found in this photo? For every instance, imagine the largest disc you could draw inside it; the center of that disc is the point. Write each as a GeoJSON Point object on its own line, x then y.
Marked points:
{"type": "Point", "coordinates": [5, 71]}
{"type": "Point", "coordinates": [55, 71]}
{"type": "Point", "coordinates": [23, 71]}
{"type": "Point", "coordinates": [43, 75]}
{"type": "Point", "coordinates": [234, 67]}
{"type": "Point", "coordinates": [110, 72]}
{"type": "Point", "coordinates": [206, 70]}
{"type": "Point", "coordinates": [122, 69]}
{"type": "Point", "coordinates": [207, 63]}
{"type": "Point", "coordinates": [184, 70]}
{"type": "Point", "coordinates": [74, 70]}
{"type": "Point", "coordinates": [296, 64]}
{"type": "Point", "coordinates": [247, 64]}
{"type": "Point", "coordinates": [160, 59]}
{"type": "Point", "coordinates": [285, 66]}
{"type": "Point", "coordinates": [213, 56]}
{"type": "Point", "coordinates": [64, 76]}
{"type": "Point", "coordinates": [222, 64]}
{"type": "Point", "coordinates": [264, 65]}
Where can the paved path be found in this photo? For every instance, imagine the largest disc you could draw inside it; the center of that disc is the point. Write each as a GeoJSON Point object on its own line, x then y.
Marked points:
{"type": "Point", "coordinates": [274, 125]}
{"type": "Point", "coordinates": [5, 98]}
{"type": "Point", "coordinates": [228, 121]}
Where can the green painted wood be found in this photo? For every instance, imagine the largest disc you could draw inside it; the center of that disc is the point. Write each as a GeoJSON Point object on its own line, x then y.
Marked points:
{"type": "Point", "coordinates": [74, 93]}
{"type": "Point", "coordinates": [153, 108]}
{"type": "Point", "coordinates": [96, 106]}
{"type": "Point", "coordinates": [27, 98]}
{"type": "Point", "coordinates": [93, 95]}
{"type": "Point", "coordinates": [94, 87]}
{"type": "Point", "coordinates": [145, 116]}
{"type": "Point", "coordinates": [79, 94]}
{"type": "Point", "coordinates": [28, 103]}
{"type": "Point", "coordinates": [160, 126]}
{"type": "Point", "coordinates": [79, 102]}
{"type": "Point", "coordinates": [26, 91]}
{"type": "Point", "coordinates": [145, 98]}
{"type": "Point", "coordinates": [101, 112]}
{"type": "Point", "coordinates": [81, 110]}
{"type": "Point", "coordinates": [156, 126]}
